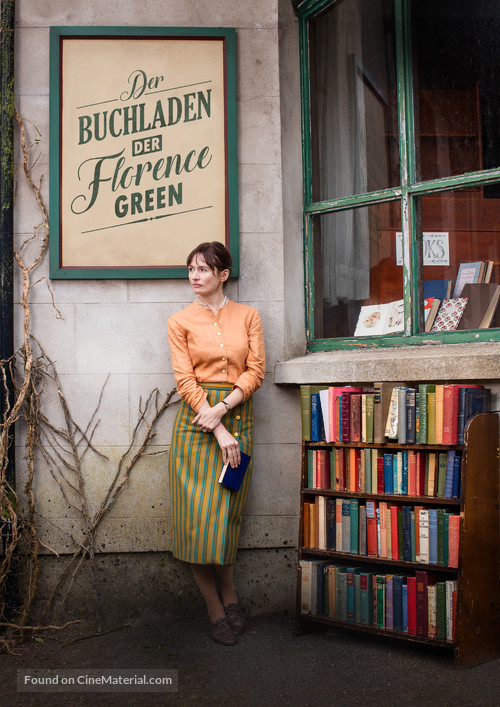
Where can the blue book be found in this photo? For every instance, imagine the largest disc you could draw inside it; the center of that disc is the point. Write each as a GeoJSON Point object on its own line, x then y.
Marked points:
{"type": "Point", "coordinates": [346, 525]}
{"type": "Point", "coordinates": [407, 533]}
{"type": "Point", "coordinates": [395, 473]}
{"type": "Point", "coordinates": [331, 525]}
{"type": "Point", "coordinates": [317, 426]}
{"type": "Point", "coordinates": [457, 474]}
{"type": "Point", "coordinates": [397, 602]}
{"type": "Point", "coordinates": [233, 478]}
{"type": "Point", "coordinates": [411, 415]}
{"type": "Point", "coordinates": [320, 587]}
{"type": "Point", "coordinates": [388, 474]}
{"type": "Point", "coordinates": [441, 289]}
{"type": "Point", "coordinates": [354, 526]}
{"type": "Point", "coordinates": [433, 536]}
{"type": "Point", "coordinates": [404, 605]}
{"type": "Point", "coordinates": [404, 489]}
{"type": "Point", "coordinates": [450, 470]}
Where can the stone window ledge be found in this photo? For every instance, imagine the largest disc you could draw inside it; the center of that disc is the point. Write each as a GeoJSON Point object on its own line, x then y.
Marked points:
{"type": "Point", "coordinates": [453, 362]}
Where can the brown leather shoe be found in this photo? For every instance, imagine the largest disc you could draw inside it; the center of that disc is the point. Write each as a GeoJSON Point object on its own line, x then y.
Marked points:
{"type": "Point", "coordinates": [222, 633]}
{"type": "Point", "coordinates": [234, 615]}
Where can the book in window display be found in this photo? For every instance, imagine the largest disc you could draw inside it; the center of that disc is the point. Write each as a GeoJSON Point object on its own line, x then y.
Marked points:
{"type": "Point", "coordinates": [450, 314]}
{"type": "Point", "coordinates": [379, 319]}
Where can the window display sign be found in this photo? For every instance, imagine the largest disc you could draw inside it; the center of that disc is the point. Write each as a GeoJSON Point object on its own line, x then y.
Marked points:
{"type": "Point", "coordinates": [143, 149]}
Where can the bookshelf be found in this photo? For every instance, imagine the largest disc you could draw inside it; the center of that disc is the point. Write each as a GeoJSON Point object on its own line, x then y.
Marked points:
{"type": "Point", "coordinates": [471, 632]}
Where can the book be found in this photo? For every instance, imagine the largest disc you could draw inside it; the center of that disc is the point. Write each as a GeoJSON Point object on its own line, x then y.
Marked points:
{"type": "Point", "coordinates": [331, 523]}
{"type": "Point", "coordinates": [323, 398]}
{"type": "Point", "coordinates": [453, 540]}
{"type": "Point", "coordinates": [379, 319]}
{"type": "Point", "coordinates": [365, 598]}
{"type": "Point", "coordinates": [317, 428]}
{"type": "Point", "coordinates": [382, 392]}
{"type": "Point", "coordinates": [449, 314]}
{"type": "Point", "coordinates": [439, 289]}
{"type": "Point", "coordinates": [411, 584]}
{"type": "Point", "coordinates": [482, 406]}
{"type": "Point", "coordinates": [305, 408]}
{"type": "Point", "coordinates": [468, 273]}
{"type": "Point", "coordinates": [482, 302]}
{"type": "Point", "coordinates": [422, 582]}
{"type": "Point", "coordinates": [391, 425]}
{"type": "Point", "coordinates": [475, 401]}
{"type": "Point", "coordinates": [431, 308]}
{"type": "Point", "coordinates": [334, 392]}
{"type": "Point", "coordinates": [231, 477]}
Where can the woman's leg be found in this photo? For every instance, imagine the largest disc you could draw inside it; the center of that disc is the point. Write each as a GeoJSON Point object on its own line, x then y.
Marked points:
{"type": "Point", "coordinates": [204, 577]}
{"type": "Point", "coordinates": [224, 574]}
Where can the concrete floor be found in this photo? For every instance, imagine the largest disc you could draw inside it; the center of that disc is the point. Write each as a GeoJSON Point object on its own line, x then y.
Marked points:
{"type": "Point", "coordinates": [268, 666]}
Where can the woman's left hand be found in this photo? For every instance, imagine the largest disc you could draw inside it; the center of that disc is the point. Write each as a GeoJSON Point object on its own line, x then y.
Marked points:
{"type": "Point", "coordinates": [209, 417]}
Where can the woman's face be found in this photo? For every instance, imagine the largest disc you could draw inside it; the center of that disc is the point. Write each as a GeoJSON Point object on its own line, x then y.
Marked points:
{"type": "Point", "coordinates": [204, 281]}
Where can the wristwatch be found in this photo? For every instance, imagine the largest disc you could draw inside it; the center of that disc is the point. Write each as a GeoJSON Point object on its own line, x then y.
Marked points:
{"type": "Point", "coordinates": [224, 402]}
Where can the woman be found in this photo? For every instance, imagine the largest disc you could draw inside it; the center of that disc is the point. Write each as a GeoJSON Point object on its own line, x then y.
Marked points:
{"type": "Point", "coordinates": [217, 349]}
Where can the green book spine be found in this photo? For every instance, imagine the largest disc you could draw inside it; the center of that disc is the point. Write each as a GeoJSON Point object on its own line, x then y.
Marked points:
{"type": "Point", "coordinates": [443, 461]}
{"type": "Point", "coordinates": [365, 598]}
{"type": "Point", "coordinates": [381, 600]}
{"type": "Point", "coordinates": [305, 411]}
{"type": "Point", "coordinates": [354, 517]}
{"type": "Point", "coordinates": [431, 418]}
{"type": "Point", "coordinates": [413, 546]}
{"type": "Point", "coordinates": [369, 418]}
{"type": "Point", "coordinates": [357, 597]}
{"type": "Point", "coordinates": [341, 593]}
{"type": "Point", "coordinates": [441, 610]}
{"type": "Point", "coordinates": [368, 470]}
{"type": "Point", "coordinates": [446, 522]}
{"type": "Point", "coordinates": [310, 453]}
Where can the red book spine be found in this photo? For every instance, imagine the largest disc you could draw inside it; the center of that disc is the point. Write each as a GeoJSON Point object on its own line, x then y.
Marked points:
{"type": "Point", "coordinates": [346, 417]}
{"type": "Point", "coordinates": [411, 593]}
{"type": "Point", "coordinates": [371, 529]}
{"type": "Point", "coordinates": [380, 475]}
{"type": "Point", "coordinates": [339, 469]}
{"type": "Point", "coordinates": [355, 419]}
{"type": "Point", "coordinates": [450, 413]}
{"type": "Point", "coordinates": [394, 533]}
{"type": "Point", "coordinates": [422, 579]}
{"type": "Point", "coordinates": [412, 473]}
{"type": "Point", "coordinates": [453, 540]}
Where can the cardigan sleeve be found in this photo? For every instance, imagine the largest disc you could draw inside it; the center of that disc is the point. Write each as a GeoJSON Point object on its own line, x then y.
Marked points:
{"type": "Point", "coordinates": [187, 386]}
{"type": "Point", "coordinates": [251, 379]}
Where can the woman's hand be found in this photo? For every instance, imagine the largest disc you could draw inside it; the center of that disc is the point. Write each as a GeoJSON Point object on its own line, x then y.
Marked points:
{"type": "Point", "coordinates": [229, 446]}
{"type": "Point", "coordinates": [209, 417]}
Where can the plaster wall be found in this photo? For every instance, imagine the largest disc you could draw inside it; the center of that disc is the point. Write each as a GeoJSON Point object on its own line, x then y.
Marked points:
{"type": "Point", "coordinates": [113, 333]}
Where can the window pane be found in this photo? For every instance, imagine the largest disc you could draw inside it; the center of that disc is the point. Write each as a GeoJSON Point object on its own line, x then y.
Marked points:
{"type": "Point", "coordinates": [355, 256]}
{"type": "Point", "coordinates": [456, 93]}
{"type": "Point", "coordinates": [353, 110]}
{"type": "Point", "coordinates": [463, 246]}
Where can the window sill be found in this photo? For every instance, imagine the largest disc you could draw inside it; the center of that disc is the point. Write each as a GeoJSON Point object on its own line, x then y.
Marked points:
{"type": "Point", "coordinates": [410, 363]}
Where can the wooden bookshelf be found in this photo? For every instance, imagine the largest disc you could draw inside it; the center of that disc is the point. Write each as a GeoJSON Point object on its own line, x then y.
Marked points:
{"type": "Point", "coordinates": [477, 606]}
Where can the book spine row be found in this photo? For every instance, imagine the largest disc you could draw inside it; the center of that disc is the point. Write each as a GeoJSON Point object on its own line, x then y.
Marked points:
{"type": "Point", "coordinates": [371, 470]}
{"type": "Point", "coordinates": [394, 532]}
{"type": "Point", "coordinates": [427, 414]}
{"type": "Point", "coordinates": [418, 604]}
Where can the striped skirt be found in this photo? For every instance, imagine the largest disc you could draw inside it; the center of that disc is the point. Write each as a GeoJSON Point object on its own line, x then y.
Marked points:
{"type": "Point", "coordinates": [206, 516]}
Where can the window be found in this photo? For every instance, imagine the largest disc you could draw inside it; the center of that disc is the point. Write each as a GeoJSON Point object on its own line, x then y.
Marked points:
{"type": "Point", "coordinates": [401, 170]}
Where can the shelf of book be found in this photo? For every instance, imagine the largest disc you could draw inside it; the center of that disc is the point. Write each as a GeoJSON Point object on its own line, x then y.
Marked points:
{"type": "Point", "coordinates": [464, 596]}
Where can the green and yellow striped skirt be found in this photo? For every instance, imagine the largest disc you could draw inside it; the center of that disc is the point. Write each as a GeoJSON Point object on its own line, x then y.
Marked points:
{"type": "Point", "coordinates": [206, 516]}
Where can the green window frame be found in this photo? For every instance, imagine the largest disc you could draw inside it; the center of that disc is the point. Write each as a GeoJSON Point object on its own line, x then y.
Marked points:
{"type": "Point", "coordinates": [407, 192]}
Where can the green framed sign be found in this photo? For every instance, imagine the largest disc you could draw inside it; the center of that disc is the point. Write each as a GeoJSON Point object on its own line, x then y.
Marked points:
{"type": "Point", "coordinates": [143, 149]}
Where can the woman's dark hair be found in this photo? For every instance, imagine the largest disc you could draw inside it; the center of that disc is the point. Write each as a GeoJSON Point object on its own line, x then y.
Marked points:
{"type": "Point", "coordinates": [216, 256]}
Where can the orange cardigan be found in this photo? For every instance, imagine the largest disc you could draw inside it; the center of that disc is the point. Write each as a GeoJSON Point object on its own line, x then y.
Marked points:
{"type": "Point", "coordinates": [205, 348]}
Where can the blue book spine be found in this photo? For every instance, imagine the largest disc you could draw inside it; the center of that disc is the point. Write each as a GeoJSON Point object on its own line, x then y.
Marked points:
{"type": "Point", "coordinates": [354, 526]}
{"type": "Point", "coordinates": [317, 427]}
{"type": "Point", "coordinates": [450, 470]}
{"type": "Point", "coordinates": [377, 511]}
{"type": "Point", "coordinates": [457, 474]}
{"type": "Point", "coordinates": [331, 525]}
{"type": "Point", "coordinates": [404, 606]}
{"type": "Point", "coordinates": [411, 416]}
{"type": "Point", "coordinates": [407, 533]}
{"type": "Point", "coordinates": [350, 594]}
{"type": "Point", "coordinates": [405, 473]}
{"type": "Point", "coordinates": [340, 418]}
{"type": "Point", "coordinates": [395, 473]}
{"type": "Point", "coordinates": [433, 536]}
{"type": "Point", "coordinates": [397, 602]}
{"type": "Point", "coordinates": [388, 474]}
